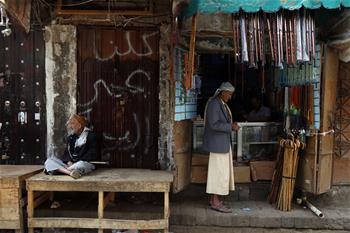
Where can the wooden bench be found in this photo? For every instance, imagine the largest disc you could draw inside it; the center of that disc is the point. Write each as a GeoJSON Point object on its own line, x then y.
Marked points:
{"type": "Point", "coordinates": [12, 183]}
{"type": "Point", "coordinates": [105, 182]}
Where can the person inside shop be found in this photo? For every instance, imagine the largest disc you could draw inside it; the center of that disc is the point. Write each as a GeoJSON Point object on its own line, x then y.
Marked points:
{"type": "Point", "coordinates": [80, 150]}
{"type": "Point", "coordinates": [260, 113]}
{"type": "Point", "coordinates": [218, 127]}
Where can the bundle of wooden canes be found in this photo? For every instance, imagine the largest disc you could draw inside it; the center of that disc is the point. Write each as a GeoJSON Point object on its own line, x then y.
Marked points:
{"type": "Point", "coordinates": [285, 173]}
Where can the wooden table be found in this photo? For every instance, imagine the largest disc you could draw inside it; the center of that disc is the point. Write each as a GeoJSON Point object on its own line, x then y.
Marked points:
{"type": "Point", "coordinates": [105, 182]}
{"type": "Point", "coordinates": [12, 183]}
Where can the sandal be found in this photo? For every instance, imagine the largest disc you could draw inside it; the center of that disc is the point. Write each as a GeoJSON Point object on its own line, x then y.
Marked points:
{"type": "Point", "coordinates": [221, 208]}
{"type": "Point", "coordinates": [75, 174]}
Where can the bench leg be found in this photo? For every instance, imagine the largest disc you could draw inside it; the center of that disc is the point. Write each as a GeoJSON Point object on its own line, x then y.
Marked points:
{"type": "Point", "coordinates": [100, 207]}
{"type": "Point", "coordinates": [51, 196]}
{"type": "Point", "coordinates": [20, 208]}
{"type": "Point", "coordinates": [166, 210]}
{"type": "Point", "coordinates": [30, 209]}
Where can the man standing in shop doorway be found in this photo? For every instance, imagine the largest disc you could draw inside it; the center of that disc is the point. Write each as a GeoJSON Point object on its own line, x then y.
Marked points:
{"type": "Point", "coordinates": [259, 113]}
{"type": "Point", "coordinates": [218, 127]}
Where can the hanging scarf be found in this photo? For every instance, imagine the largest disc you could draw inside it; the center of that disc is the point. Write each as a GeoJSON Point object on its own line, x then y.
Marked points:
{"type": "Point", "coordinates": [82, 138]}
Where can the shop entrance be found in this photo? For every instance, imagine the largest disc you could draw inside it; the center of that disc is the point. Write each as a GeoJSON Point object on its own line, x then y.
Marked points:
{"type": "Point", "coordinates": [257, 138]}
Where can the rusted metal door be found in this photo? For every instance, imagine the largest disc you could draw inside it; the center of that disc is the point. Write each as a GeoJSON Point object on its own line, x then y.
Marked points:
{"type": "Point", "coordinates": [22, 101]}
{"type": "Point", "coordinates": [118, 92]}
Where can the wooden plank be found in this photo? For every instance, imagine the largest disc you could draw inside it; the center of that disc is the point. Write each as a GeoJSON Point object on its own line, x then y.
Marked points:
{"type": "Point", "coordinates": [87, 223]}
{"type": "Point", "coordinates": [19, 206]}
{"type": "Point", "coordinates": [101, 205]}
{"type": "Point", "coordinates": [9, 204]}
{"type": "Point", "coordinates": [325, 175]}
{"type": "Point", "coordinates": [9, 198]}
{"type": "Point", "coordinates": [166, 210]}
{"type": "Point", "coordinates": [14, 175]}
{"type": "Point", "coordinates": [91, 223]}
{"type": "Point", "coordinates": [60, 11]}
{"type": "Point", "coordinates": [134, 224]}
{"type": "Point", "coordinates": [9, 224]}
{"type": "Point", "coordinates": [41, 199]}
{"type": "Point", "coordinates": [107, 180]}
{"type": "Point", "coordinates": [182, 172]}
{"type": "Point", "coordinates": [9, 183]}
{"type": "Point", "coordinates": [97, 186]}
{"type": "Point", "coordinates": [113, 175]}
{"type": "Point", "coordinates": [166, 205]}
{"type": "Point", "coordinates": [182, 136]}
{"type": "Point", "coordinates": [18, 170]}
{"type": "Point", "coordinates": [12, 179]}
{"type": "Point", "coordinates": [328, 109]}
{"type": "Point", "coordinates": [192, 46]}
{"type": "Point", "coordinates": [30, 209]}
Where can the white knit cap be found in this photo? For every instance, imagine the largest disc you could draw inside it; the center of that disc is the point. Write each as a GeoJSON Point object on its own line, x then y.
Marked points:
{"type": "Point", "coordinates": [225, 86]}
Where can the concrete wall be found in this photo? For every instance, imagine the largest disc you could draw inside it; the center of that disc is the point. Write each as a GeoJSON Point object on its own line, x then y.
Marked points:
{"type": "Point", "coordinates": [61, 83]}
{"type": "Point", "coordinates": [166, 100]}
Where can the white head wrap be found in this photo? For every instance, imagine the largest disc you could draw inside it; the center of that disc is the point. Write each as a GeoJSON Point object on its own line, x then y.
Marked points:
{"type": "Point", "coordinates": [225, 86]}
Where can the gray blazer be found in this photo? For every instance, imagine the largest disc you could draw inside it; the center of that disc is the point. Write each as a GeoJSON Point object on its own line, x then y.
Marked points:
{"type": "Point", "coordinates": [218, 128]}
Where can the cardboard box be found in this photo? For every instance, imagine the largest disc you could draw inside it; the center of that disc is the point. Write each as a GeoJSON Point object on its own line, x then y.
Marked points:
{"type": "Point", "coordinates": [262, 170]}
{"type": "Point", "coordinates": [199, 174]}
{"type": "Point", "coordinates": [242, 174]}
{"type": "Point", "coordinates": [200, 159]}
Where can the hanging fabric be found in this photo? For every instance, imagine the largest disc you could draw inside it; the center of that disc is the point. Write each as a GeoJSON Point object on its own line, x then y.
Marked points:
{"type": "Point", "coordinates": [243, 40]}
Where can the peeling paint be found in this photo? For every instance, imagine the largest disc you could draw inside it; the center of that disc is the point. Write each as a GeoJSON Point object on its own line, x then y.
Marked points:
{"type": "Point", "coordinates": [166, 103]}
{"type": "Point", "coordinates": [61, 82]}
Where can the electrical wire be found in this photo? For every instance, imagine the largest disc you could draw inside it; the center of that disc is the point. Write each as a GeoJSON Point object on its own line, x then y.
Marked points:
{"type": "Point", "coordinates": [79, 3]}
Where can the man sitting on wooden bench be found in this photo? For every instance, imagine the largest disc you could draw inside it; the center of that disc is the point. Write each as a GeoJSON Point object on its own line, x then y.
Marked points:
{"type": "Point", "coordinates": [81, 149]}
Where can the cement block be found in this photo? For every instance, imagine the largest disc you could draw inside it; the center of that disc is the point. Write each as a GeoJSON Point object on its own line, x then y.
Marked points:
{"type": "Point", "coordinates": [287, 222]}
{"type": "Point", "coordinates": [243, 192]}
{"type": "Point", "coordinates": [265, 221]}
{"type": "Point", "coordinates": [346, 222]}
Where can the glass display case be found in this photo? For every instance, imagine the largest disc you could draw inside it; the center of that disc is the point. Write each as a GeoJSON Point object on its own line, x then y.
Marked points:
{"type": "Point", "coordinates": [257, 140]}
{"type": "Point", "coordinates": [253, 141]}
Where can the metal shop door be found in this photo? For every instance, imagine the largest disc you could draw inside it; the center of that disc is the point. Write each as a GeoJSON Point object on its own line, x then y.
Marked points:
{"type": "Point", "coordinates": [22, 101]}
{"type": "Point", "coordinates": [118, 92]}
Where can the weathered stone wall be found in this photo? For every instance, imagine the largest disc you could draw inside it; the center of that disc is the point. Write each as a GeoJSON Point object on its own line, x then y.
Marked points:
{"type": "Point", "coordinates": [61, 83]}
{"type": "Point", "coordinates": [166, 100]}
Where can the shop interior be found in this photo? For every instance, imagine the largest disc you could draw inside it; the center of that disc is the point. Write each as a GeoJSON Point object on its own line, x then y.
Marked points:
{"type": "Point", "coordinates": [252, 91]}
{"type": "Point", "coordinates": [275, 68]}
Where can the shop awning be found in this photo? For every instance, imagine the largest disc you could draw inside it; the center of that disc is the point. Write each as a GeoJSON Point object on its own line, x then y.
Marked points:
{"type": "Point", "coordinates": [233, 6]}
